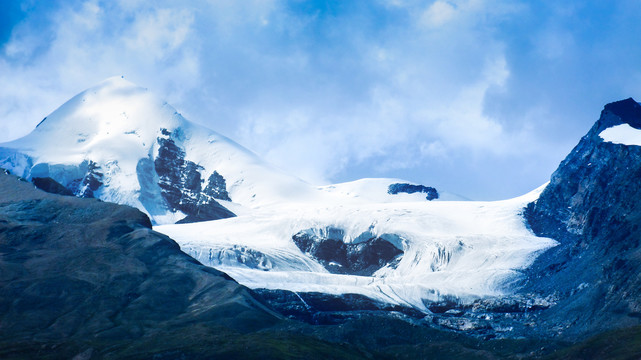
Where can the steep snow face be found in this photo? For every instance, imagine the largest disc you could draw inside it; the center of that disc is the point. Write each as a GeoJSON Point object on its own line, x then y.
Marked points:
{"type": "Point", "coordinates": [109, 142]}
{"type": "Point", "coordinates": [622, 134]}
{"type": "Point", "coordinates": [463, 249]}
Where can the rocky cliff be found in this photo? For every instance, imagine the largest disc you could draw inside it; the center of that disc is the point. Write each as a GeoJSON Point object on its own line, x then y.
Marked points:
{"type": "Point", "coordinates": [592, 206]}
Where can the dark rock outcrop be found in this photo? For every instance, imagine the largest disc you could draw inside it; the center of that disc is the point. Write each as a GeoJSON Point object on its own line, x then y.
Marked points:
{"type": "Point", "coordinates": [216, 187]}
{"type": "Point", "coordinates": [51, 186]}
{"type": "Point", "coordinates": [363, 257]}
{"type": "Point", "coordinates": [397, 188]}
{"type": "Point", "coordinates": [181, 184]}
{"type": "Point", "coordinates": [592, 206]}
{"type": "Point", "coordinates": [90, 182]}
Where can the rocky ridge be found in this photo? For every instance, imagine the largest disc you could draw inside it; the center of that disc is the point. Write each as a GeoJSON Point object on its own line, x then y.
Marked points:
{"type": "Point", "coordinates": [592, 206]}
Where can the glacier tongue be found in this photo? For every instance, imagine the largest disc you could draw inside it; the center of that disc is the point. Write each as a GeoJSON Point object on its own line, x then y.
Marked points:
{"type": "Point", "coordinates": [463, 249]}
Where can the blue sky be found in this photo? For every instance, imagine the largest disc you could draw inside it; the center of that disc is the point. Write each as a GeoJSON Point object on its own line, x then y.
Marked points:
{"type": "Point", "coordinates": [482, 98]}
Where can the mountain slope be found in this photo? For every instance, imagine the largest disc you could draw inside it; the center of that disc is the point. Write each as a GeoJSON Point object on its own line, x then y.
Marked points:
{"type": "Point", "coordinates": [101, 262]}
{"type": "Point", "coordinates": [592, 206]}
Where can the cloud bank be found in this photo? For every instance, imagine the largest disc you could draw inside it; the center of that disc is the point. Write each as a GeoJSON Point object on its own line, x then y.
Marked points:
{"type": "Point", "coordinates": [479, 97]}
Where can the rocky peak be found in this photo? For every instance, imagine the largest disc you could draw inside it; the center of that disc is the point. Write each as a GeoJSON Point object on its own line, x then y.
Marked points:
{"type": "Point", "coordinates": [628, 110]}
{"type": "Point", "coordinates": [592, 206]}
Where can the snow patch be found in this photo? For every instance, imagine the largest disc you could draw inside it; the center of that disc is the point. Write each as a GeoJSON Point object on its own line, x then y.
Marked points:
{"type": "Point", "coordinates": [622, 134]}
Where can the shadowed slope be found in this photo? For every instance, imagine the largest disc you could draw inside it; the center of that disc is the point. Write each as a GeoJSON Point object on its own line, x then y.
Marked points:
{"type": "Point", "coordinates": [592, 206]}
{"type": "Point", "coordinates": [80, 276]}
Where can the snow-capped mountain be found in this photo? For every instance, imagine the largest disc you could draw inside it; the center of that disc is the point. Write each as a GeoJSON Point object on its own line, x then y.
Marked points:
{"type": "Point", "coordinates": [382, 238]}
{"type": "Point", "coordinates": [119, 143]}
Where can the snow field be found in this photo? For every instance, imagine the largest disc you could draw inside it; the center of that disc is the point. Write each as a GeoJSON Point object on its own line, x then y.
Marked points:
{"type": "Point", "coordinates": [458, 248]}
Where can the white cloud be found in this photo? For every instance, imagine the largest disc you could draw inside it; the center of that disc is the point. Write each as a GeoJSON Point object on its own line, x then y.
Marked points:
{"type": "Point", "coordinates": [438, 14]}
{"type": "Point", "coordinates": [320, 90]}
{"type": "Point", "coordinates": [160, 33]}
{"type": "Point", "coordinates": [86, 43]}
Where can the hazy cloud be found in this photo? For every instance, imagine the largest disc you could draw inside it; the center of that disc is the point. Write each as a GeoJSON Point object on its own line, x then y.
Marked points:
{"type": "Point", "coordinates": [481, 97]}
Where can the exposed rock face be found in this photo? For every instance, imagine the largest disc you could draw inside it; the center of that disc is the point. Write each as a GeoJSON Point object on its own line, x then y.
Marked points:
{"type": "Point", "coordinates": [80, 271]}
{"type": "Point", "coordinates": [51, 186]}
{"type": "Point", "coordinates": [411, 189]}
{"type": "Point", "coordinates": [216, 187]}
{"type": "Point", "coordinates": [181, 184]}
{"type": "Point", "coordinates": [90, 183]}
{"type": "Point", "coordinates": [592, 206]}
{"type": "Point", "coordinates": [363, 257]}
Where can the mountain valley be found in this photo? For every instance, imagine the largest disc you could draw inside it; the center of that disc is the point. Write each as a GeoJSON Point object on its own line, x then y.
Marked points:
{"type": "Point", "coordinates": [246, 259]}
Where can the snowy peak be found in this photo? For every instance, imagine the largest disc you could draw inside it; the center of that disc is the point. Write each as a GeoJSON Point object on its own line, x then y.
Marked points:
{"type": "Point", "coordinates": [103, 108]}
{"type": "Point", "coordinates": [118, 142]}
{"type": "Point", "coordinates": [113, 120]}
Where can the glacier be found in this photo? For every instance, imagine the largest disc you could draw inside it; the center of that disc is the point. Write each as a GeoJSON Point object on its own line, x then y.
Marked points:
{"type": "Point", "coordinates": [463, 249]}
